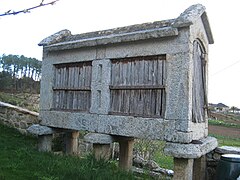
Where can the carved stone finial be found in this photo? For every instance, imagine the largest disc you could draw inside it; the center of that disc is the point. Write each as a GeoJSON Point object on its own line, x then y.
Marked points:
{"type": "Point", "coordinates": [55, 38]}
{"type": "Point", "coordinates": [189, 16]}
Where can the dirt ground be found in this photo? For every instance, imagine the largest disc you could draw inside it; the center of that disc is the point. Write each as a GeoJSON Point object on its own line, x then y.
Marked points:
{"type": "Point", "coordinates": [224, 131]}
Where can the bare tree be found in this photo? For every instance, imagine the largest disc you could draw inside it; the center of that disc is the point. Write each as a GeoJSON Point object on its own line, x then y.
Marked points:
{"type": "Point", "coordinates": [28, 10]}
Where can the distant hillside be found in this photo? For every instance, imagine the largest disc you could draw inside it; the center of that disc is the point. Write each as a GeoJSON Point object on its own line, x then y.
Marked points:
{"type": "Point", "coordinates": [25, 100]}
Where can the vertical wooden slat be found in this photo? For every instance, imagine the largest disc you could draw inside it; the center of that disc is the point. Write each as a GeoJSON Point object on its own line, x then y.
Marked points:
{"type": "Point", "coordinates": [72, 76]}
{"type": "Point", "coordinates": [141, 71]}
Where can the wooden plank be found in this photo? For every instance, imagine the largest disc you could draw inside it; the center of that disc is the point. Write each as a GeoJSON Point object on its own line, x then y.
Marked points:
{"type": "Point", "coordinates": [149, 73]}
{"type": "Point", "coordinates": [69, 77]}
{"type": "Point", "coordinates": [158, 103]}
{"type": "Point", "coordinates": [159, 77]}
{"type": "Point", "coordinates": [148, 102]}
{"type": "Point", "coordinates": [75, 99]}
{"type": "Point", "coordinates": [84, 76]}
{"type": "Point", "coordinates": [146, 72]}
{"type": "Point", "coordinates": [73, 89]}
{"type": "Point", "coordinates": [117, 73]}
{"type": "Point", "coordinates": [124, 73]}
{"type": "Point", "coordinates": [113, 73]}
{"type": "Point", "coordinates": [120, 73]}
{"type": "Point", "coordinates": [86, 83]}
{"type": "Point", "coordinates": [73, 77]}
{"type": "Point", "coordinates": [155, 72]}
{"type": "Point", "coordinates": [79, 100]}
{"type": "Point", "coordinates": [163, 102]}
{"type": "Point", "coordinates": [131, 103]}
{"type": "Point", "coordinates": [76, 78]}
{"type": "Point", "coordinates": [136, 87]}
{"type": "Point", "coordinates": [154, 101]}
{"type": "Point", "coordinates": [128, 73]}
{"type": "Point", "coordinates": [61, 77]}
{"type": "Point", "coordinates": [164, 72]}
{"type": "Point", "coordinates": [140, 105]}
{"type": "Point", "coordinates": [88, 76]}
{"type": "Point", "coordinates": [141, 73]}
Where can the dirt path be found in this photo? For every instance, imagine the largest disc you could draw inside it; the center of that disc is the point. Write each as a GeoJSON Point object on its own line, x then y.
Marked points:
{"type": "Point", "coordinates": [224, 131]}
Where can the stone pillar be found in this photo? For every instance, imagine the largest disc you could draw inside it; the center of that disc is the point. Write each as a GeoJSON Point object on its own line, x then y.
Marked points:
{"type": "Point", "coordinates": [183, 169]}
{"type": "Point", "coordinates": [102, 151]}
{"type": "Point", "coordinates": [71, 142]}
{"type": "Point", "coordinates": [199, 168]}
{"type": "Point", "coordinates": [45, 143]}
{"type": "Point", "coordinates": [45, 135]}
{"type": "Point", "coordinates": [125, 152]}
{"type": "Point", "coordinates": [101, 145]}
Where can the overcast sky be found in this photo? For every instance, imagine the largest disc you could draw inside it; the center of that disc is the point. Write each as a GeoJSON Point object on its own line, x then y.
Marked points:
{"type": "Point", "coordinates": [20, 34]}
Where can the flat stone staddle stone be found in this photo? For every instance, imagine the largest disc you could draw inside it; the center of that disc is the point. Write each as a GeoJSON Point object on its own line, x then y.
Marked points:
{"type": "Point", "coordinates": [98, 138]}
{"type": "Point", "coordinates": [39, 130]}
{"type": "Point", "coordinates": [191, 150]}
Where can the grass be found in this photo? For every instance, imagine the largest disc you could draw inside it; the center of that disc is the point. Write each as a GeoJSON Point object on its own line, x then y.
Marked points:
{"type": "Point", "coordinates": [9, 98]}
{"type": "Point", "coordinates": [20, 160]}
{"type": "Point", "coordinates": [226, 141]}
{"type": "Point", "coordinates": [20, 99]}
{"type": "Point", "coordinates": [163, 160]}
{"type": "Point", "coordinates": [223, 123]}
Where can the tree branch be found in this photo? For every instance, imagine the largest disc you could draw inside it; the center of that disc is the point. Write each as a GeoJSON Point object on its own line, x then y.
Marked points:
{"type": "Point", "coordinates": [28, 10]}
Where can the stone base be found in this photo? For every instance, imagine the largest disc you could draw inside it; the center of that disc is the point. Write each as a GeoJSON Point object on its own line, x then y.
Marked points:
{"type": "Point", "coordinates": [190, 159]}
{"type": "Point", "coordinates": [44, 134]}
{"type": "Point", "coordinates": [183, 169]}
{"type": "Point", "coordinates": [102, 151]}
{"type": "Point", "coordinates": [199, 168]}
{"type": "Point", "coordinates": [45, 143]}
{"type": "Point", "coordinates": [196, 149]}
{"type": "Point", "coordinates": [71, 142]}
{"type": "Point", "coordinates": [101, 145]}
{"type": "Point", "coordinates": [125, 152]}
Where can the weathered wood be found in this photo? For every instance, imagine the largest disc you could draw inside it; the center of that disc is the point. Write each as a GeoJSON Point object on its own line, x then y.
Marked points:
{"type": "Point", "coordinates": [141, 102]}
{"type": "Point", "coordinates": [137, 87]}
{"type": "Point", "coordinates": [72, 89]}
{"type": "Point", "coordinates": [199, 91]}
{"type": "Point", "coordinates": [72, 86]}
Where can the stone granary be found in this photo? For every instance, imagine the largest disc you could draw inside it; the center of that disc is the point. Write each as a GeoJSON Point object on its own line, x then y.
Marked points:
{"type": "Point", "coordinates": [141, 81]}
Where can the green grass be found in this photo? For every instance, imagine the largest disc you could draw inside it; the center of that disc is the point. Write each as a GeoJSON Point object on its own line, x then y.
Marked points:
{"type": "Point", "coordinates": [163, 160]}
{"type": "Point", "coordinates": [10, 98]}
{"type": "Point", "coordinates": [223, 123]}
{"type": "Point", "coordinates": [19, 159]}
{"type": "Point", "coordinates": [226, 141]}
{"type": "Point", "coordinates": [19, 99]}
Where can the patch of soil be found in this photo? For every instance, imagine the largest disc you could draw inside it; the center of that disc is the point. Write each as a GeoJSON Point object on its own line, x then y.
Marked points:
{"type": "Point", "coordinates": [224, 131]}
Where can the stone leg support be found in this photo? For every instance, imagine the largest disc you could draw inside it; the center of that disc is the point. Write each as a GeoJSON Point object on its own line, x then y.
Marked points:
{"type": "Point", "coordinates": [125, 153]}
{"type": "Point", "coordinates": [102, 151]}
{"type": "Point", "coordinates": [199, 168]}
{"type": "Point", "coordinates": [45, 143]}
{"type": "Point", "coordinates": [183, 169]}
{"type": "Point", "coordinates": [71, 142]}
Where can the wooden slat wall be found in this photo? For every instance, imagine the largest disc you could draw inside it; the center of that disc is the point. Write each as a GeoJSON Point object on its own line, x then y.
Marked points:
{"type": "Point", "coordinates": [72, 86]}
{"type": "Point", "coordinates": [138, 86]}
{"type": "Point", "coordinates": [199, 91]}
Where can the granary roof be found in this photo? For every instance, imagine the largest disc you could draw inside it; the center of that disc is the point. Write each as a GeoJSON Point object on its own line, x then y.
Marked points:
{"type": "Point", "coordinates": [166, 28]}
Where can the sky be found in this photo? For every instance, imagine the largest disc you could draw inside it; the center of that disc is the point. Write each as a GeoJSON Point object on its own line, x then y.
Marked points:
{"type": "Point", "coordinates": [20, 34]}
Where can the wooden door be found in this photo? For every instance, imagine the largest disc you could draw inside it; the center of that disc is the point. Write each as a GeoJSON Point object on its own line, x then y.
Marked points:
{"type": "Point", "coordinates": [138, 86]}
{"type": "Point", "coordinates": [72, 86]}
